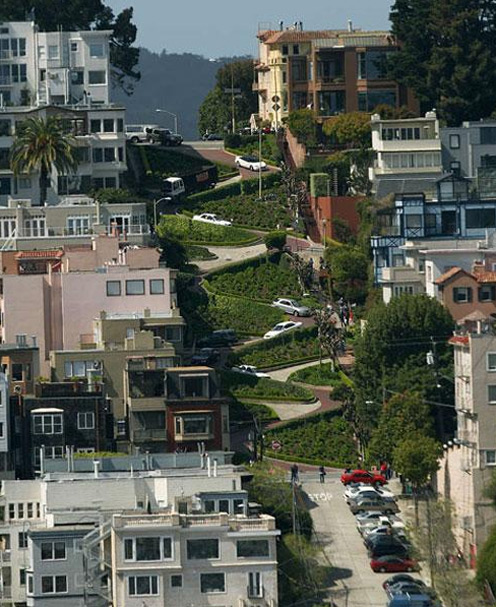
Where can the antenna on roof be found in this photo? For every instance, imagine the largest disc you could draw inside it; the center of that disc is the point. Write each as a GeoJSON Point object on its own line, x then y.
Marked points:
{"type": "Point", "coordinates": [350, 25]}
{"type": "Point", "coordinates": [281, 25]}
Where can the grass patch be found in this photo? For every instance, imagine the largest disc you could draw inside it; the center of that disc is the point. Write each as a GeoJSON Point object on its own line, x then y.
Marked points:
{"type": "Point", "coordinates": [244, 386]}
{"type": "Point", "coordinates": [318, 375]}
{"type": "Point", "coordinates": [244, 412]}
{"type": "Point", "coordinates": [262, 279]}
{"type": "Point", "coordinates": [225, 171]}
{"type": "Point", "coordinates": [322, 439]}
{"type": "Point", "coordinates": [188, 231]}
{"type": "Point", "coordinates": [247, 145]}
{"type": "Point", "coordinates": [295, 346]}
{"type": "Point", "coordinates": [198, 253]}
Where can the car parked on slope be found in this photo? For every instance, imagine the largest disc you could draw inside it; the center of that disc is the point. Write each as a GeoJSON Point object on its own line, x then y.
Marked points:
{"type": "Point", "coordinates": [282, 327]}
{"type": "Point", "coordinates": [386, 545]}
{"type": "Point", "coordinates": [211, 218]}
{"type": "Point", "coordinates": [212, 137]}
{"type": "Point", "coordinates": [206, 356]}
{"type": "Point", "coordinates": [402, 577]}
{"type": "Point", "coordinates": [391, 563]}
{"type": "Point", "coordinates": [370, 494]}
{"type": "Point", "coordinates": [362, 476]}
{"type": "Point", "coordinates": [370, 504]}
{"type": "Point", "coordinates": [369, 520]}
{"type": "Point", "coordinates": [383, 530]}
{"type": "Point", "coordinates": [250, 162]}
{"type": "Point", "coordinates": [291, 306]}
{"type": "Point", "coordinates": [354, 490]}
{"type": "Point", "coordinates": [250, 370]}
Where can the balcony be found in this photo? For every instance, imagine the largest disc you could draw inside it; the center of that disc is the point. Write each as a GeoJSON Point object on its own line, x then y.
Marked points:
{"type": "Point", "coordinates": [138, 405]}
{"type": "Point", "coordinates": [151, 434]}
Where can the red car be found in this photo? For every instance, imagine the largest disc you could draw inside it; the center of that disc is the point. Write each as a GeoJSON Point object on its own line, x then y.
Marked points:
{"type": "Point", "coordinates": [362, 476]}
{"type": "Point", "coordinates": [392, 564]}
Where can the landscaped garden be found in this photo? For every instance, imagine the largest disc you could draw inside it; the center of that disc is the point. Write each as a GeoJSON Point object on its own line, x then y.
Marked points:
{"type": "Point", "coordinates": [188, 231]}
{"type": "Point", "coordinates": [317, 375]}
{"type": "Point", "coordinates": [198, 253]}
{"type": "Point", "coordinates": [244, 412]}
{"type": "Point", "coordinates": [248, 145]}
{"type": "Point", "coordinates": [325, 439]}
{"type": "Point", "coordinates": [247, 387]}
{"type": "Point", "coordinates": [261, 279]}
{"type": "Point", "coordinates": [297, 346]}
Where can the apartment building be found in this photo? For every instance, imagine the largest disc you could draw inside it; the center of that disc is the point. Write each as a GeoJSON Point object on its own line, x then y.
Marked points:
{"type": "Point", "coordinates": [63, 74]}
{"type": "Point", "coordinates": [469, 460]}
{"type": "Point", "coordinates": [330, 71]}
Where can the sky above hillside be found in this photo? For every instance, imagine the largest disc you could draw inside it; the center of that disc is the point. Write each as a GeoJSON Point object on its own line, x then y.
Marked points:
{"type": "Point", "coordinates": [228, 27]}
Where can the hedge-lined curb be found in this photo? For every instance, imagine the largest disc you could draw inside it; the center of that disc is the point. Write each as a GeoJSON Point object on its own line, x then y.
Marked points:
{"type": "Point", "coordinates": [303, 460]}
{"type": "Point", "coordinates": [292, 363]}
{"type": "Point", "coordinates": [275, 401]}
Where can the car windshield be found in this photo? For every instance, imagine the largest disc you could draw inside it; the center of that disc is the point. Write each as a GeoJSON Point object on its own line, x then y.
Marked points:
{"type": "Point", "coordinates": [296, 304]}
{"type": "Point", "coordinates": [250, 158]}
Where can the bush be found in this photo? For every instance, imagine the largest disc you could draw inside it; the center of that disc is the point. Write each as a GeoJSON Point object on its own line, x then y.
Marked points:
{"type": "Point", "coordinates": [295, 346]}
{"type": "Point", "coordinates": [275, 240]}
{"type": "Point", "coordinates": [318, 375]}
{"type": "Point", "coordinates": [303, 125]}
{"type": "Point", "coordinates": [244, 386]}
{"type": "Point", "coordinates": [118, 196]}
{"type": "Point", "coordinates": [247, 186]}
{"type": "Point", "coordinates": [249, 145]}
{"type": "Point", "coordinates": [321, 439]}
{"type": "Point", "coordinates": [197, 253]}
{"type": "Point", "coordinates": [245, 317]}
{"type": "Point", "coordinates": [244, 412]}
{"type": "Point", "coordinates": [264, 280]}
{"type": "Point", "coordinates": [195, 232]}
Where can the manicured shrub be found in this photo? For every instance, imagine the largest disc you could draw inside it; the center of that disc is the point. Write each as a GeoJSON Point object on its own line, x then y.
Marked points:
{"type": "Point", "coordinates": [245, 386]}
{"type": "Point", "coordinates": [317, 375]}
{"type": "Point", "coordinates": [196, 232]}
{"type": "Point", "coordinates": [275, 240]}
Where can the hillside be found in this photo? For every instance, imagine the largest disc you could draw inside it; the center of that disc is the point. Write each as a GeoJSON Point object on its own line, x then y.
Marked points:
{"type": "Point", "coordinates": [177, 83]}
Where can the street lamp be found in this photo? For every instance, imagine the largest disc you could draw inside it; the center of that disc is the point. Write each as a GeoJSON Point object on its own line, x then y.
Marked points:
{"type": "Point", "coordinates": [155, 203]}
{"type": "Point", "coordinates": [170, 114]}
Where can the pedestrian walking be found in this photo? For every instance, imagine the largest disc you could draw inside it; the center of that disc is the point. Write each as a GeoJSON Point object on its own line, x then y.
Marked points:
{"type": "Point", "coordinates": [322, 474]}
{"type": "Point", "coordinates": [384, 468]}
{"type": "Point", "coordinates": [294, 473]}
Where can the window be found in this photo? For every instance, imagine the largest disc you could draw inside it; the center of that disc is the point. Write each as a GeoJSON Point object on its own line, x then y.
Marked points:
{"type": "Point", "coordinates": [22, 577]}
{"type": "Point", "coordinates": [53, 51]}
{"type": "Point", "coordinates": [156, 286]}
{"type": "Point", "coordinates": [331, 102]}
{"type": "Point", "coordinates": [202, 549]}
{"type": "Point", "coordinates": [480, 218]}
{"type": "Point", "coordinates": [12, 511]}
{"type": "Point", "coordinates": [148, 549]}
{"type": "Point", "coordinates": [255, 588]}
{"type": "Point", "coordinates": [195, 386]}
{"type": "Point", "coordinates": [488, 135]}
{"type": "Point", "coordinates": [30, 583]}
{"type": "Point", "coordinates": [48, 424]}
{"type": "Point", "coordinates": [53, 551]}
{"type": "Point", "coordinates": [51, 452]}
{"type": "Point", "coordinates": [176, 581]}
{"type": "Point", "coordinates": [120, 125]}
{"type": "Point", "coordinates": [95, 126]}
{"type": "Point", "coordinates": [454, 142]}
{"type": "Point", "coordinates": [490, 457]}
{"type": "Point", "coordinates": [491, 361]}
{"type": "Point", "coordinates": [299, 70]}
{"type": "Point", "coordinates": [212, 582]}
{"type": "Point", "coordinates": [86, 420]}
{"type": "Point", "coordinates": [96, 50]}
{"type": "Point", "coordinates": [296, 49]}
{"type": "Point", "coordinates": [413, 221]}
{"type": "Point", "coordinates": [135, 287]}
{"type": "Point", "coordinates": [113, 288]}
{"type": "Point", "coordinates": [462, 294]}
{"type": "Point", "coordinates": [491, 394]}
{"type": "Point", "coordinates": [22, 540]}
{"type": "Point", "coordinates": [97, 77]}
{"type": "Point", "coordinates": [251, 548]}
{"type": "Point", "coordinates": [108, 125]}
{"type": "Point", "coordinates": [109, 154]}
{"type": "Point", "coordinates": [53, 584]}
{"type": "Point", "coordinates": [143, 585]}
{"type": "Point", "coordinates": [487, 293]}
{"type": "Point", "coordinates": [20, 510]}
{"type": "Point", "coordinates": [16, 371]}
{"type": "Point", "coordinates": [77, 368]}
{"type": "Point", "coordinates": [5, 127]}
{"type": "Point", "coordinates": [97, 155]}
{"type": "Point", "coordinates": [74, 47]}
{"type": "Point", "coordinates": [30, 510]}
{"type": "Point", "coordinates": [368, 100]}
{"type": "Point", "coordinates": [284, 49]}
{"type": "Point", "coordinates": [209, 506]}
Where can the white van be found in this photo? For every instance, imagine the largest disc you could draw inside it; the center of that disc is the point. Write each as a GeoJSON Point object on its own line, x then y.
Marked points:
{"type": "Point", "coordinates": [136, 133]}
{"type": "Point", "coordinates": [173, 187]}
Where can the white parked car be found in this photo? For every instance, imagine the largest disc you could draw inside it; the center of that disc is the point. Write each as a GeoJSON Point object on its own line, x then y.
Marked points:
{"type": "Point", "coordinates": [282, 327]}
{"type": "Point", "coordinates": [291, 306]}
{"type": "Point", "coordinates": [250, 162]}
{"type": "Point", "coordinates": [250, 370]}
{"type": "Point", "coordinates": [352, 492]}
{"type": "Point", "coordinates": [211, 218]}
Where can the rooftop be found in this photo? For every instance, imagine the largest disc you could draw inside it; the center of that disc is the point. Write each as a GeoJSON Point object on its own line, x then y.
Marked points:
{"type": "Point", "coordinates": [328, 38]}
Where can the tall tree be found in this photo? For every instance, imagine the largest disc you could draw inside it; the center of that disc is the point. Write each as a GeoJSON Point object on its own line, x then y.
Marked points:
{"type": "Point", "coordinates": [51, 15]}
{"type": "Point", "coordinates": [216, 112]}
{"type": "Point", "coordinates": [39, 146]}
{"type": "Point", "coordinates": [447, 55]}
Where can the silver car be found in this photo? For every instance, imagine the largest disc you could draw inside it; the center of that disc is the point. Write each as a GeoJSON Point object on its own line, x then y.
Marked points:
{"type": "Point", "coordinates": [291, 306]}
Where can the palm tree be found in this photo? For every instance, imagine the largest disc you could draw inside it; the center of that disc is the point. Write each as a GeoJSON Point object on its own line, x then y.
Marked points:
{"type": "Point", "coordinates": [41, 145]}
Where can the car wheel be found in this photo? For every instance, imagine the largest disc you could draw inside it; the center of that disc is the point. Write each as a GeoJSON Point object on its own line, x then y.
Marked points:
{"type": "Point", "coordinates": [134, 140]}
{"type": "Point", "coordinates": [409, 569]}
{"type": "Point", "coordinates": [252, 168]}
{"type": "Point", "coordinates": [383, 569]}
{"type": "Point", "coordinates": [296, 313]}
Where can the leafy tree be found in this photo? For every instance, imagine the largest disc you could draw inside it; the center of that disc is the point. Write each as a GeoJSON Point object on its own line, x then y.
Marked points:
{"type": "Point", "coordinates": [303, 125]}
{"type": "Point", "coordinates": [486, 562]}
{"type": "Point", "coordinates": [447, 55]}
{"type": "Point", "coordinates": [352, 129]}
{"type": "Point", "coordinates": [275, 240]}
{"type": "Point", "coordinates": [417, 459]}
{"type": "Point", "coordinates": [330, 338]}
{"type": "Point", "coordinates": [349, 271]}
{"type": "Point", "coordinates": [174, 253]}
{"type": "Point", "coordinates": [39, 146]}
{"type": "Point", "coordinates": [216, 110]}
{"type": "Point", "coordinates": [402, 415]}
{"type": "Point", "coordinates": [51, 15]}
{"type": "Point", "coordinates": [342, 231]}
{"type": "Point", "coordinates": [304, 271]}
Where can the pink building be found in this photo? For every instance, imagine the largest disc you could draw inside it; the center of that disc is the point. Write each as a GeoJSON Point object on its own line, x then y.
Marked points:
{"type": "Point", "coordinates": [59, 306]}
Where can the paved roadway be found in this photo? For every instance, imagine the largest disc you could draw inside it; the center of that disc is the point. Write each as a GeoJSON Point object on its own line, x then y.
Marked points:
{"type": "Point", "coordinates": [353, 583]}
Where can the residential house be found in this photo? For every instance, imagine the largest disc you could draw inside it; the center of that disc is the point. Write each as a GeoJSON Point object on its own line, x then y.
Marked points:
{"type": "Point", "coordinates": [469, 460]}
{"type": "Point", "coordinates": [330, 71]}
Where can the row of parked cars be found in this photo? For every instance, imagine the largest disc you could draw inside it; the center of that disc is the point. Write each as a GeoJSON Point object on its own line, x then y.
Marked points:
{"type": "Point", "coordinates": [383, 533]}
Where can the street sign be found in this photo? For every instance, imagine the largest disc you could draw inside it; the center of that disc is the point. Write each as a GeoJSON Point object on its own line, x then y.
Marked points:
{"type": "Point", "coordinates": [232, 91]}
{"type": "Point", "coordinates": [276, 445]}
{"type": "Point", "coordinates": [276, 99]}
{"type": "Point", "coordinates": [276, 107]}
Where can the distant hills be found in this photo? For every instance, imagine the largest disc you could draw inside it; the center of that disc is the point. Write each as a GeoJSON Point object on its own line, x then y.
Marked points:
{"type": "Point", "coordinates": [173, 82]}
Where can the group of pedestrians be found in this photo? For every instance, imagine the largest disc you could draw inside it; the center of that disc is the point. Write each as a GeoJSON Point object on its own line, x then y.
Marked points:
{"type": "Point", "coordinates": [295, 474]}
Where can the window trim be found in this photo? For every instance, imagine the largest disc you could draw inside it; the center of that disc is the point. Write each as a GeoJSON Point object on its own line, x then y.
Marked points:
{"type": "Point", "coordinates": [53, 557]}
{"type": "Point", "coordinates": [490, 369]}
{"type": "Point", "coordinates": [54, 591]}
{"type": "Point", "coordinates": [135, 577]}
{"type": "Point", "coordinates": [114, 282]}
{"type": "Point", "coordinates": [140, 280]}
{"type": "Point", "coordinates": [491, 402]}
{"type": "Point", "coordinates": [161, 546]}
{"type": "Point", "coordinates": [83, 415]}
{"type": "Point", "coordinates": [213, 591]}
{"type": "Point", "coordinates": [152, 288]}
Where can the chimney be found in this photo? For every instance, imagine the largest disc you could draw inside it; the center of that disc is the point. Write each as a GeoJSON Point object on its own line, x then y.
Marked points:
{"type": "Point", "coordinates": [301, 26]}
{"type": "Point", "coordinates": [281, 25]}
{"type": "Point", "coordinates": [350, 25]}
{"type": "Point", "coordinates": [34, 340]}
{"type": "Point", "coordinates": [96, 468]}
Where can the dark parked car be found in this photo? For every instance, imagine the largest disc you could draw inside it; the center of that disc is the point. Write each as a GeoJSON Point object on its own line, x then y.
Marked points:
{"type": "Point", "coordinates": [385, 540]}
{"type": "Point", "coordinates": [387, 546]}
{"type": "Point", "coordinates": [222, 337]}
{"type": "Point", "coordinates": [212, 137]}
{"type": "Point", "coordinates": [402, 577]}
{"type": "Point", "coordinates": [206, 356]}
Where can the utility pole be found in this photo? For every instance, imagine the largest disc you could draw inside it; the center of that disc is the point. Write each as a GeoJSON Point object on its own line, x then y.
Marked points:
{"type": "Point", "coordinates": [293, 506]}
{"type": "Point", "coordinates": [232, 101]}
{"type": "Point", "coordinates": [260, 162]}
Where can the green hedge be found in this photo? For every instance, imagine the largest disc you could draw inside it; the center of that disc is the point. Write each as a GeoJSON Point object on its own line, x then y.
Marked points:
{"type": "Point", "coordinates": [247, 387]}
{"type": "Point", "coordinates": [197, 253]}
{"type": "Point", "coordinates": [265, 279]}
{"type": "Point", "coordinates": [246, 186]}
{"type": "Point", "coordinates": [249, 145]}
{"type": "Point", "coordinates": [320, 439]}
{"type": "Point", "coordinates": [245, 317]}
{"type": "Point", "coordinates": [317, 375]}
{"type": "Point", "coordinates": [295, 345]}
{"type": "Point", "coordinates": [244, 412]}
{"type": "Point", "coordinates": [196, 232]}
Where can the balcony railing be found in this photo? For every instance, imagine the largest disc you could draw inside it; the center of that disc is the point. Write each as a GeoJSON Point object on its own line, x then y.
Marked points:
{"type": "Point", "coordinates": [57, 232]}
{"type": "Point", "coordinates": [150, 434]}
